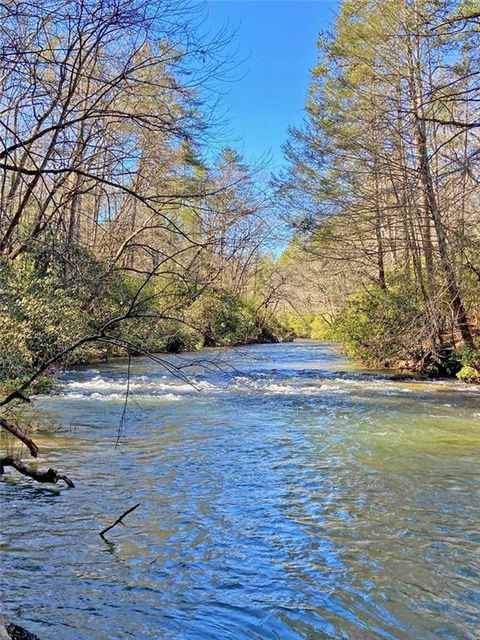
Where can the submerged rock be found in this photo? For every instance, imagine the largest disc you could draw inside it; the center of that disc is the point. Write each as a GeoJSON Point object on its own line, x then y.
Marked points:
{"type": "Point", "coordinates": [11, 631]}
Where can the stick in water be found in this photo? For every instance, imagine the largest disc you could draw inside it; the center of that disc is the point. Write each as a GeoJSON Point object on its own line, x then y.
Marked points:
{"type": "Point", "coordinates": [119, 520]}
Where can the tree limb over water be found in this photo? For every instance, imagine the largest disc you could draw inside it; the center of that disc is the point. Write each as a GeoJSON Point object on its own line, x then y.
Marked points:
{"type": "Point", "coordinates": [50, 475]}
{"type": "Point", "coordinates": [18, 433]}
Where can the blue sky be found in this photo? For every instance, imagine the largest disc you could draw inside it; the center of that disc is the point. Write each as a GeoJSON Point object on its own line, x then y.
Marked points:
{"type": "Point", "coordinates": [275, 42]}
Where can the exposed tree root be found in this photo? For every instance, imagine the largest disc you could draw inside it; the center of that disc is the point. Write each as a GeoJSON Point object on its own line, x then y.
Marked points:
{"type": "Point", "coordinates": [51, 475]}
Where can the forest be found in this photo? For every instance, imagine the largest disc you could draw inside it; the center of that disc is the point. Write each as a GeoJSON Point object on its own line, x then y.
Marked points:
{"type": "Point", "coordinates": [382, 187]}
{"type": "Point", "coordinates": [131, 233]}
{"type": "Point", "coordinates": [111, 217]}
{"type": "Point", "coordinates": [121, 234]}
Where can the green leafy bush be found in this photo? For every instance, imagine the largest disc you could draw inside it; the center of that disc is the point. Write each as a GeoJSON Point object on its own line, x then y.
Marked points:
{"type": "Point", "coordinates": [43, 311]}
{"type": "Point", "coordinates": [223, 319]}
{"type": "Point", "coordinates": [380, 327]}
{"type": "Point", "coordinates": [306, 325]}
{"type": "Point", "coordinates": [468, 359]}
{"type": "Point", "coordinates": [469, 374]}
{"type": "Point", "coordinates": [321, 329]}
{"type": "Point", "coordinates": [299, 325]}
{"type": "Point", "coordinates": [37, 321]}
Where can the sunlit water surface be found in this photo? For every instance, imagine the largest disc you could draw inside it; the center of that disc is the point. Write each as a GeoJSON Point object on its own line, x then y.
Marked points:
{"type": "Point", "coordinates": [290, 495]}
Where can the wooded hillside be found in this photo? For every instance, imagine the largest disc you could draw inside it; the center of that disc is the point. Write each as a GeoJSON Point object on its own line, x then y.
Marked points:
{"type": "Point", "coordinates": [383, 187]}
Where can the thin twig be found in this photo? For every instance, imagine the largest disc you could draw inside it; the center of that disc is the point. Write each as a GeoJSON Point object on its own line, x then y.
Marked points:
{"type": "Point", "coordinates": [127, 395]}
{"type": "Point", "coordinates": [119, 520]}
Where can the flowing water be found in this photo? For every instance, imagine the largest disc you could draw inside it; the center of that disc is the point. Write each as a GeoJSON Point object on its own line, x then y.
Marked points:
{"type": "Point", "coordinates": [287, 495]}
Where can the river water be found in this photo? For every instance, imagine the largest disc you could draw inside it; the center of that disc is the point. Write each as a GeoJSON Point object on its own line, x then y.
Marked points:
{"type": "Point", "coordinates": [288, 495]}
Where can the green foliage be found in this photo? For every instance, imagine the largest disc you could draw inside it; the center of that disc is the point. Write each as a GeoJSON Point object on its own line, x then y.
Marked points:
{"type": "Point", "coordinates": [470, 356]}
{"type": "Point", "coordinates": [220, 319]}
{"type": "Point", "coordinates": [377, 327]}
{"type": "Point", "coordinates": [40, 385]}
{"type": "Point", "coordinates": [42, 314]}
{"type": "Point", "coordinates": [468, 359]}
{"type": "Point", "coordinates": [469, 374]}
{"type": "Point", "coordinates": [223, 319]}
{"type": "Point", "coordinates": [299, 325]}
{"type": "Point", "coordinates": [306, 325]}
{"type": "Point", "coordinates": [38, 319]}
{"type": "Point", "coordinates": [321, 329]}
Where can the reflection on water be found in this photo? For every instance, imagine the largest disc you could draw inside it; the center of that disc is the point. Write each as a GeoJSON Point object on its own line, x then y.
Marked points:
{"type": "Point", "coordinates": [289, 495]}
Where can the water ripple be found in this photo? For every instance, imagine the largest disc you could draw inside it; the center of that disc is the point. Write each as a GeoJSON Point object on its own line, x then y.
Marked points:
{"type": "Point", "coordinates": [292, 496]}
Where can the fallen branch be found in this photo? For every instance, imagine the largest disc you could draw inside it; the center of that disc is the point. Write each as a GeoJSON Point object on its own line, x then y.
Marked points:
{"type": "Point", "coordinates": [51, 475]}
{"type": "Point", "coordinates": [18, 433]}
{"type": "Point", "coordinates": [119, 520]}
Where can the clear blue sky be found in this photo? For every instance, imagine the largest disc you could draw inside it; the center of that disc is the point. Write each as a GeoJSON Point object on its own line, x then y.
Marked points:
{"type": "Point", "coordinates": [276, 40]}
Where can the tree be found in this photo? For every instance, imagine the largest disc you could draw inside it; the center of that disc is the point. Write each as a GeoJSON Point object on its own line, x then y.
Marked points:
{"type": "Point", "coordinates": [112, 225]}
{"type": "Point", "coordinates": [383, 177]}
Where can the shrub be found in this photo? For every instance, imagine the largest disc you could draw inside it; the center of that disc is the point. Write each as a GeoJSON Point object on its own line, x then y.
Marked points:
{"type": "Point", "coordinates": [468, 359]}
{"type": "Point", "coordinates": [43, 311]}
{"type": "Point", "coordinates": [307, 325]}
{"type": "Point", "coordinates": [321, 329]}
{"type": "Point", "coordinates": [379, 327]}
{"type": "Point", "coordinates": [224, 319]}
{"type": "Point", "coordinates": [298, 325]}
{"type": "Point", "coordinates": [220, 319]}
{"type": "Point", "coordinates": [469, 374]}
{"type": "Point", "coordinates": [38, 319]}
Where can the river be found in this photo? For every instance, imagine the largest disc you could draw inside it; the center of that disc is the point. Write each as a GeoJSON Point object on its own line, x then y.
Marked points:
{"type": "Point", "coordinates": [287, 495]}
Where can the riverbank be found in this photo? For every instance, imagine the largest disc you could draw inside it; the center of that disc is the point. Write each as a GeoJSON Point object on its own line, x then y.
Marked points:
{"type": "Point", "coordinates": [373, 346]}
{"type": "Point", "coordinates": [215, 319]}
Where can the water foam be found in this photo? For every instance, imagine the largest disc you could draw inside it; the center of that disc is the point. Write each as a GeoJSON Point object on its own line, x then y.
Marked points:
{"type": "Point", "coordinates": [102, 388]}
